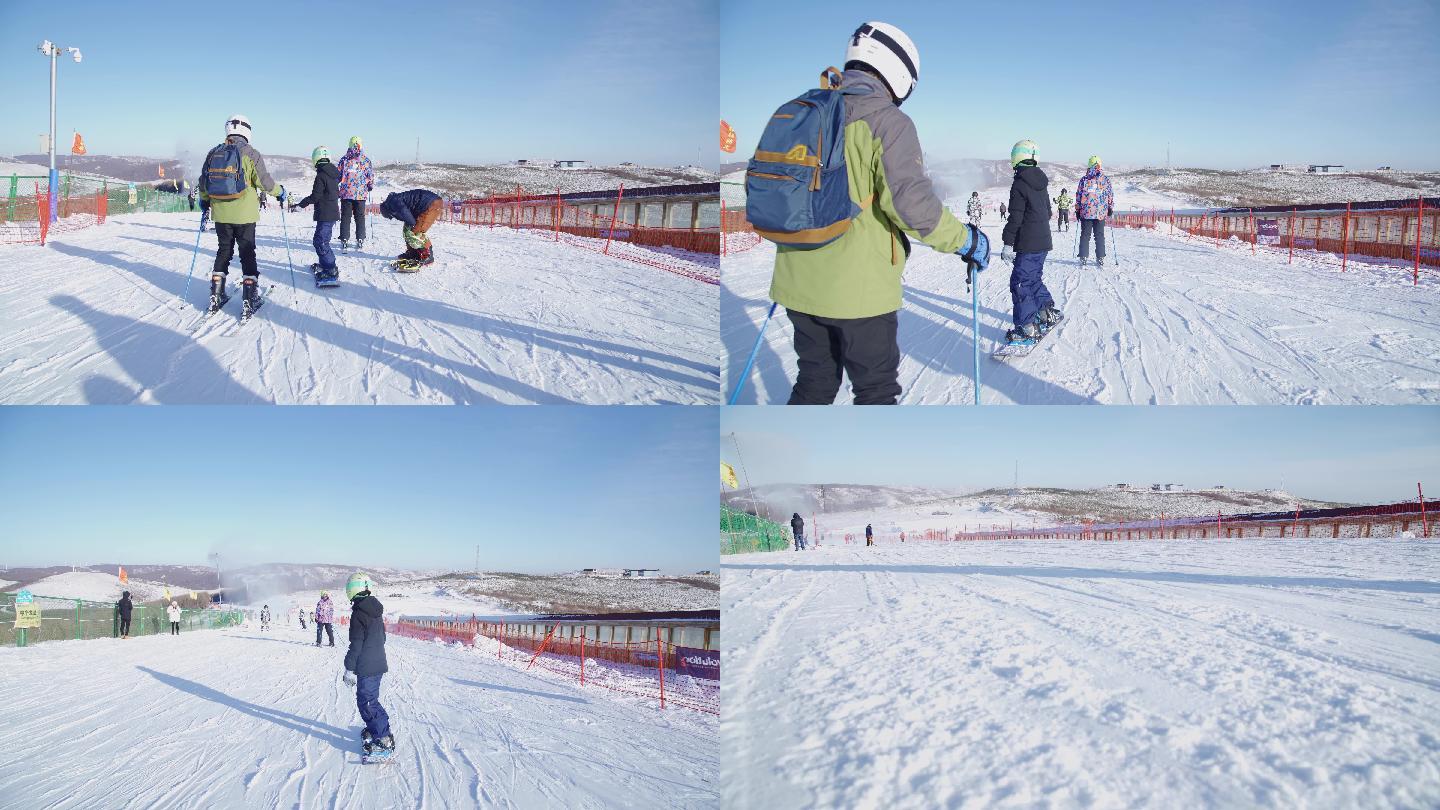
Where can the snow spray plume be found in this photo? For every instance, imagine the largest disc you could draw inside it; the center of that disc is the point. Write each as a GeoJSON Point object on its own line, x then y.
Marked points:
{"type": "Point", "coordinates": [955, 179]}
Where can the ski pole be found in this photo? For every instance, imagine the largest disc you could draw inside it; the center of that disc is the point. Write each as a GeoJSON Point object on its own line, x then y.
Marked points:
{"type": "Point", "coordinates": [195, 254]}
{"type": "Point", "coordinates": [288, 261]}
{"type": "Point", "coordinates": [972, 282]}
{"type": "Point", "coordinates": [753, 351]}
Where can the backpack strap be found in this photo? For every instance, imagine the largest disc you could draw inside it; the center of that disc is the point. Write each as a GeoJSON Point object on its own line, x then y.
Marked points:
{"type": "Point", "coordinates": [826, 80]}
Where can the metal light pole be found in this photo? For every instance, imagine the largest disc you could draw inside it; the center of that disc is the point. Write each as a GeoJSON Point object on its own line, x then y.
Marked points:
{"type": "Point", "coordinates": [52, 50]}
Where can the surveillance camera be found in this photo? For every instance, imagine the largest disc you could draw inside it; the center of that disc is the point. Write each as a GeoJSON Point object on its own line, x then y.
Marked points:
{"type": "Point", "coordinates": [47, 47]}
{"type": "Point", "coordinates": [75, 52]}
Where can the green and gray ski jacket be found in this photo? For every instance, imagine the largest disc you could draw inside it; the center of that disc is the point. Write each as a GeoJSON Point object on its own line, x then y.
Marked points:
{"type": "Point", "coordinates": [246, 208]}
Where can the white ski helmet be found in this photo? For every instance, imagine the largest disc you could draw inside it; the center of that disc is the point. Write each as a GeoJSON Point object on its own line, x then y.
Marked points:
{"type": "Point", "coordinates": [238, 125]}
{"type": "Point", "coordinates": [886, 50]}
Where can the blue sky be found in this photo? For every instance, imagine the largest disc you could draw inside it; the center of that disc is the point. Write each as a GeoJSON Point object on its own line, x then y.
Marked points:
{"type": "Point", "coordinates": [1353, 454]}
{"type": "Point", "coordinates": [540, 489]}
{"type": "Point", "coordinates": [1229, 84]}
{"type": "Point", "coordinates": [476, 82]}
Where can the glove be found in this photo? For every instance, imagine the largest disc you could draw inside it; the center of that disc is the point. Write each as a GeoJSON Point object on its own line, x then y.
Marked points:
{"type": "Point", "coordinates": [976, 250]}
{"type": "Point", "coordinates": [350, 679]}
{"type": "Point", "coordinates": [1005, 254]}
{"type": "Point", "coordinates": [1111, 212]}
{"type": "Point", "coordinates": [204, 207]}
{"type": "Point", "coordinates": [282, 197]}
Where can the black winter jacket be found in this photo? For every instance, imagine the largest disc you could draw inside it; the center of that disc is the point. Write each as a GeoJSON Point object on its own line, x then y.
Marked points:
{"type": "Point", "coordinates": [124, 607]}
{"type": "Point", "coordinates": [797, 524]}
{"type": "Point", "coordinates": [406, 206]}
{"type": "Point", "coordinates": [325, 194]}
{"type": "Point", "coordinates": [1028, 228]}
{"type": "Point", "coordinates": [366, 655]}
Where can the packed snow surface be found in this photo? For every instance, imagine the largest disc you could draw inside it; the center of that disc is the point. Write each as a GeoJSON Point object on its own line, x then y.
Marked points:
{"type": "Point", "coordinates": [1040, 673]}
{"type": "Point", "coordinates": [241, 718]}
{"type": "Point", "coordinates": [1168, 321]}
{"type": "Point", "coordinates": [503, 316]}
{"type": "Point", "coordinates": [96, 586]}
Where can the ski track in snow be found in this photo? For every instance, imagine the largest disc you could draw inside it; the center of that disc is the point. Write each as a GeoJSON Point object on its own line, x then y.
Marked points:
{"type": "Point", "coordinates": [1167, 674]}
{"type": "Point", "coordinates": [502, 316]}
{"type": "Point", "coordinates": [1177, 321]}
{"type": "Point", "coordinates": [244, 718]}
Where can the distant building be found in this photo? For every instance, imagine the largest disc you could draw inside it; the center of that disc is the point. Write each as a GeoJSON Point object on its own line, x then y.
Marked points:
{"type": "Point", "coordinates": [640, 572]}
{"type": "Point", "coordinates": [707, 572]}
{"type": "Point", "coordinates": [587, 570]}
{"type": "Point", "coordinates": [570, 164]}
{"type": "Point", "coordinates": [1384, 169]}
{"type": "Point", "coordinates": [1323, 168]}
{"type": "Point", "coordinates": [1122, 486]}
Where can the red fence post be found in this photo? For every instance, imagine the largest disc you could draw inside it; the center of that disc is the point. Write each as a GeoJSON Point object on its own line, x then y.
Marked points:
{"type": "Point", "coordinates": [1292, 235]}
{"type": "Point", "coordinates": [1424, 521]}
{"type": "Point", "coordinates": [722, 237]}
{"type": "Point", "coordinates": [613, 215]}
{"type": "Point", "coordinates": [1254, 235]}
{"type": "Point", "coordinates": [559, 211]}
{"type": "Point", "coordinates": [543, 644]}
{"type": "Point", "coordinates": [660, 664]}
{"type": "Point", "coordinates": [1419, 229]}
{"type": "Point", "coordinates": [1217, 524]}
{"type": "Point", "coordinates": [1345, 239]}
{"type": "Point", "coordinates": [582, 656]}
{"type": "Point", "coordinates": [501, 646]}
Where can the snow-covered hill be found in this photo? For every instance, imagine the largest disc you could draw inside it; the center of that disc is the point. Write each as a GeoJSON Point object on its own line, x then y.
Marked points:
{"type": "Point", "coordinates": [500, 592]}
{"type": "Point", "coordinates": [1256, 187]}
{"type": "Point", "coordinates": [503, 316]}
{"type": "Point", "coordinates": [95, 586]}
{"type": "Point", "coordinates": [458, 181]}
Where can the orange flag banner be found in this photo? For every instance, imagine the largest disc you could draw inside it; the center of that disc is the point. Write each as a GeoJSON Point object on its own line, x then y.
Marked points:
{"type": "Point", "coordinates": [124, 577]}
{"type": "Point", "coordinates": [162, 170]}
{"type": "Point", "coordinates": [727, 137]}
{"type": "Point", "coordinates": [78, 147]}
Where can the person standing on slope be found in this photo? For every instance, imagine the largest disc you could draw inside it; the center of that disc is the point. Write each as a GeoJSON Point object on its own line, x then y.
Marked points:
{"type": "Point", "coordinates": [365, 664]}
{"type": "Point", "coordinates": [233, 177]}
{"type": "Point", "coordinates": [1062, 205]}
{"type": "Point", "coordinates": [797, 526]}
{"type": "Point", "coordinates": [173, 612]}
{"type": "Point", "coordinates": [1027, 233]}
{"type": "Point", "coordinates": [324, 618]}
{"type": "Point", "coordinates": [357, 180]}
{"type": "Point", "coordinates": [975, 209]}
{"type": "Point", "coordinates": [302, 618]}
{"type": "Point", "coordinates": [844, 297]}
{"type": "Point", "coordinates": [869, 535]}
{"type": "Point", "coordinates": [325, 195]}
{"type": "Point", "coordinates": [1094, 201]}
{"type": "Point", "coordinates": [123, 609]}
{"type": "Point", "coordinates": [1002, 210]}
{"type": "Point", "coordinates": [265, 618]}
{"type": "Point", "coordinates": [417, 210]}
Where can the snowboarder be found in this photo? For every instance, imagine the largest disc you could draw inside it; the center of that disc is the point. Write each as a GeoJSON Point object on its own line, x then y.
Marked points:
{"type": "Point", "coordinates": [324, 616]}
{"type": "Point", "coordinates": [975, 209]}
{"type": "Point", "coordinates": [365, 664]}
{"type": "Point", "coordinates": [325, 195]}
{"type": "Point", "coordinates": [418, 209]}
{"type": "Point", "coordinates": [231, 181]}
{"type": "Point", "coordinates": [302, 618]}
{"type": "Point", "coordinates": [1094, 201]}
{"type": "Point", "coordinates": [843, 298]}
{"type": "Point", "coordinates": [1062, 206]}
{"type": "Point", "coordinates": [797, 525]}
{"type": "Point", "coordinates": [357, 180]}
{"type": "Point", "coordinates": [1027, 233]}
{"type": "Point", "coordinates": [173, 612]}
{"type": "Point", "coordinates": [123, 609]}
{"type": "Point", "coordinates": [265, 618]}
{"type": "Point", "coordinates": [869, 535]}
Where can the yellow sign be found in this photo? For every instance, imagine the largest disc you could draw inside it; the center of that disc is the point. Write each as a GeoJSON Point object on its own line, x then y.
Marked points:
{"type": "Point", "coordinates": [27, 615]}
{"type": "Point", "coordinates": [727, 475]}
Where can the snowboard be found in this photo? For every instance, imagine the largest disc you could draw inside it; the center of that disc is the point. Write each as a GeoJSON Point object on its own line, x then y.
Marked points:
{"type": "Point", "coordinates": [1011, 350]}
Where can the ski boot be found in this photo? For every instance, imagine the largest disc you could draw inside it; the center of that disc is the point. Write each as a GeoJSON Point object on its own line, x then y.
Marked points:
{"type": "Point", "coordinates": [1084, 260]}
{"type": "Point", "coordinates": [253, 300]}
{"type": "Point", "coordinates": [359, 244]}
{"type": "Point", "coordinates": [327, 278]}
{"type": "Point", "coordinates": [344, 245]}
{"type": "Point", "coordinates": [1026, 335]}
{"type": "Point", "coordinates": [217, 293]}
{"type": "Point", "coordinates": [1099, 261]}
{"type": "Point", "coordinates": [427, 256]}
{"type": "Point", "coordinates": [1048, 317]}
{"type": "Point", "coordinates": [366, 738]}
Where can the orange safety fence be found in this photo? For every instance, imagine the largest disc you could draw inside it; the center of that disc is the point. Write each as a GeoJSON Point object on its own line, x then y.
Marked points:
{"type": "Point", "coordinates": [654, 669]}
{"type": "Point", "coordinates": [738, 235]}
{"type": "Point", "coordinates": [1395, 233]}
{"type": "Point", "coordinates": [25, 219]}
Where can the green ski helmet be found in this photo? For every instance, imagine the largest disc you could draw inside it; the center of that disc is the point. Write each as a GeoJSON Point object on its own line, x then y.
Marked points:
{"type": "Point", "coordinates": [320, 153]}
{"type": "Point", "coordinates": [355, 142]}
{"type": "Point", "coordinates": [1094, 161]}
{"type": "Point", "coordinates": [359, 583]}
{"type": "Point", "coordinates": [1023, 150]}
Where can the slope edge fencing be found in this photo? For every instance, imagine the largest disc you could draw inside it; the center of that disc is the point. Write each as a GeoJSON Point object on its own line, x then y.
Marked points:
{"type": "Point", "coordinates": [82, 202]}
{"type": "Point", "coordinates": [63, 618]}
{"type": "Point", "coordinates": [742, 532]}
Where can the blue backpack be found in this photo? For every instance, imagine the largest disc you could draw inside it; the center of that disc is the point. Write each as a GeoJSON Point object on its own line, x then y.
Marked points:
{"type": "Point", "coordinates": [797, 188]}
{"type": "Point", "coordinates": [224, 172]}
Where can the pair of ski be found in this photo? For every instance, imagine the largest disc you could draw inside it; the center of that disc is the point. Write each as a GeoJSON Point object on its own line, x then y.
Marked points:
{"type": "Point", "coordinates": [261, 293]}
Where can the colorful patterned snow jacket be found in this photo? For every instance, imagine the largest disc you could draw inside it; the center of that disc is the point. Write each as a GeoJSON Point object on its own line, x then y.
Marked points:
{"type": "Point", "coordinates": [357, 176]}
{"type": "Point", "coordinates": [325, 611]}
{"type": "Point", "coordinates": [1093, 197]}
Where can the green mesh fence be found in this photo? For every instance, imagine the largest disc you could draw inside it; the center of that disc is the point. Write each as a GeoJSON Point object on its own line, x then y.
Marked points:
{"type": "Point", "coordinates": [78, 195]}
{"type": "Point", "coordinates": [742, 532]}
{"type": "Point", "coordinates": [62, 619]}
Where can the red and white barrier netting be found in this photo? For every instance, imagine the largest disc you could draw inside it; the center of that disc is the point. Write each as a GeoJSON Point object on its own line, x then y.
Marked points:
{"type": "Point", "coordinates": [737, 235]}
{"type": "Point", "coordinates": [1396, 233]}
{"type": "Point", "coordinates": [26, 220]}
{"type": "Point", "coordinates": [669, 674]}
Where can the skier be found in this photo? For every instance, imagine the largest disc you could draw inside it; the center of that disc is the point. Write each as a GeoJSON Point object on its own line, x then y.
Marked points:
{"type": "Point", "coordinates": [265, 618]}
{"type": "Point", "coordinates": [797, 525]}
{"type": "Point", "coordinates": [1062, 205]}
{"type": "Point", "coordinates": [418, 209]}
{"type": "Point", "coordinates": [325, 195]}
{"type": "Point", "coordinates": [1028, 233]}
{"type": "Point", "coordinates": [975, 209]}
{"type": "Point", "coordinates": [843, 298]}
{"type": "Point", "coordinates": [1094, 201]}
{"type": "Point", "coordinates": [302, 618]}
{"type": "Point", "coordinates": [233, 177]}
{"type": "Point", "coordinates": [123, 609]}
{"type": "Point", "coordinates": [1002, 210]}
{"type": "Point", "coordinates": [324, 616]}
{"type": "Point", "coordinates": [869, 535]}
{"type": "Point", "coordinates": [365, 664]}
{"type": "Point", "coordinates": [357, 180]}
{"type": "Point", "coordinates": [174, 613]}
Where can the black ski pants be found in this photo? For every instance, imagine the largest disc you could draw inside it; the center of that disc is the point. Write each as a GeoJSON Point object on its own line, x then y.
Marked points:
{"type": "Point", "coordinates": [232, 237]}
{"type": "Point", "coordinates": [1089, 228]}
{"type": "Point", "coordinates": [174, 628]}
{"type": "Point", "coordinates": [348, 209]}
{"type": "Point", "coordinates": [328, 629]}
{"type": "Point", "coordinates": [864, 348]}
{"type": "Point", "coordinates": [124, 625]}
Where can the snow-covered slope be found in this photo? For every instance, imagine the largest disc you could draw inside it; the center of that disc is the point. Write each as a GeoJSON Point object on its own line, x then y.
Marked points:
{"type": "Point", "coordinates": [1058, 674]}
{"type": "Point", "coordinates": [1168, 321]}
{"type": "Point", "coordinates": [500, 592]}
{"type": "Point", "coordinates": [502, 316]}
{"type": "Point", "coordinates": [458, 180]}
{"type": "Point", "coordinates": [240, 718]}
{"type": "Point", "coordinates": [97, 587]}
{"type": "Point", "coordinates": [1211, 187]}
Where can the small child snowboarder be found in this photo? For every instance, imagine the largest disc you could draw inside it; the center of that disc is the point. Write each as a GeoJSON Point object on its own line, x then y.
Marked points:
{"type": "Point", "coordinates": [1027, 233]}
{"type": "Point", "coordinates": [325, 195]}
{"type": "Point", "coordinates": [417, 209]}
{"type": "Point", "coordinates": [265, 617]}
{"type": "Point", "coordinates": [302, 618]}
{"type": "Point", "coordinates": [975, 209]}
{"type": "Point", "coordinates": [173, 612]}
{"type": "Point", "coordinates": [1062, 205]}
{"type": "Point", "coordinates": [324, 618]}
{"type": "Point", "coordinates": [365, 665]}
